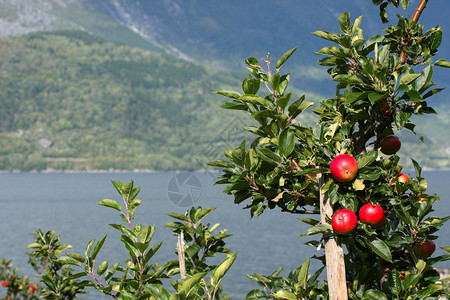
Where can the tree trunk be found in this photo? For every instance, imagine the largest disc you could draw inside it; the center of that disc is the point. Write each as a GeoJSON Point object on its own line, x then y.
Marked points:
{"type": "Point", "coordinates": [334, 254]}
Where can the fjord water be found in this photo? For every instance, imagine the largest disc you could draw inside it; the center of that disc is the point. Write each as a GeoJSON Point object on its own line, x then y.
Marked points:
{"type": "Point", "coordinates": [66, 202]}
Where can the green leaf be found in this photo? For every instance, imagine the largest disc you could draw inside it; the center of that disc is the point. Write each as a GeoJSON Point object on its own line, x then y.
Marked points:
{"type": "Point", "coordinates": [256, 100]}
{"type": "Point", "coordinates": [110, 272]}
{"type": "Point", "coordinates": [221, 164]}
{"type": "Point", "coordinates": [316, 229]}
{"type": "Point", "coordinates": [374, 97]}
{"type": "Point", "coordinates": [369, 173]}
{"type": "Point", "coordinates": [67, 260]}
{"type": "Point", "coordinates": [34, 245]}
{"type": "Point", "coordinates": [189, 283]}
{"type": "Point", "coordinates": [404, 4]}
{"type": "Point", "coordinates": [326, 35]}
{"type": "Point", "coordinates": [284, 295]}
{"type": "Point", "coordinates": [284, 58]}
{"type": "Point", "coordinates": [298, 106]}
{"type": "Point", "coordinates": [408, 78]}
{"type": "Point", "coordinates": [394, 283]}
{"type": "Point", "coordinates": [344, 22]}
{"type": "Point", "coordinates": [417, 168]}
{"type": "Point", "coordinates": [275, 81]}
{"type": "Point", "coordinates": [97, 247]}
{"type": "Point", "coordinates": [303, 274]}
{"type": "Point", "coordinates": [366, 159]}
{"type": "Point", "coordinates": [283, 101]}
{"type": "Point", "coordinates": [102, 268]}
{"type": "Point", "coordinates": [251, 61]}
{"type": "Point", "coordinates": [179, 217]}
{"type": "Point", "coordinates": [201, 213]}
{"type": "Point", "coordinates": [87, 250]}
{"type": "Point", "coordinates": [380, 248]}
{"type": "Point", "coordinates": [374, 295]}
{"type": "Point", "coordinates": [110, 203]}
{"type": "Point", "coordinates": [118, 185]}
{"type": "Point", "coordinates": [309, 221]}
{"type": "Point", "coordinates": [255, 294]}
{"type": "Point", "coordinates": [435, 40]}
{"type": "Point", "coordinates": [235, 106]}
{"type": "Point", "coordinates": [286, 142]}
{"type": "Point", "coordinates": [410, 280]}
{"type": "Point", "coordinates": [267, 155]}
{"type": "Point", "coordinates": [157, 291]}
{"type": "Point", "coordinates": [442, 63]}
{"type": "Point", "coordinates": [222, 269]}
{"type": "Point", "coordinates": [151, 252]}
{"type": "Point", "coordinates": [250, 86]}
{"type": "Point", "coordinates": [445, 248]}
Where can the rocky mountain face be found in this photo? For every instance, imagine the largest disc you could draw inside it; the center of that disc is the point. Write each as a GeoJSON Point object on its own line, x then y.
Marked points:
{"type": "Point", "coordinates": [217, 32]}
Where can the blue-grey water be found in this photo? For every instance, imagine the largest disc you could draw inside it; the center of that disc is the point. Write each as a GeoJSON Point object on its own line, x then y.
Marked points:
{"type": "Point", "coordinates": [66, 202]}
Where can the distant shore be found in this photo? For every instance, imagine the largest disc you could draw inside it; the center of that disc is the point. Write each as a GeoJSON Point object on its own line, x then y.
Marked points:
{"type": "Point", "coordinates": [94, 171]}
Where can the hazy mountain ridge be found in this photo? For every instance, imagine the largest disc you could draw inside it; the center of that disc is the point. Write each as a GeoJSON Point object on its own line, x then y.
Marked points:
{"type": "Point", "coordinates": [75, 101]}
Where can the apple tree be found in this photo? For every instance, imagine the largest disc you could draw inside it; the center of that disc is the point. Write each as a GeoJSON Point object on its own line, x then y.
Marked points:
{"type": "Point", "coordinates": [381, 83]}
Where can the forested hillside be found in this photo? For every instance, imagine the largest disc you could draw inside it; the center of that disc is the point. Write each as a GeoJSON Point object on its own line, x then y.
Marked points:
{"type": "Point", "coordinates": [74, 101]}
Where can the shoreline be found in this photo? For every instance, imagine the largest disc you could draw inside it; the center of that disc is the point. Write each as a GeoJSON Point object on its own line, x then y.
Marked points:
{"type": "Point", "coordinates": [99, 171]}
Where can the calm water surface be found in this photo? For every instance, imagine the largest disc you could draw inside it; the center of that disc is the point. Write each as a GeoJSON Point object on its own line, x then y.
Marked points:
{"type": "Point", "coordinates": [67, 203]}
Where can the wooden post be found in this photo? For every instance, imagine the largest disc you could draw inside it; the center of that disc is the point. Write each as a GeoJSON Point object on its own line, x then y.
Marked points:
{"type": "Point", "coordinates": [334, 254]}
{"type": "Point", "coordinates": [181, 258]}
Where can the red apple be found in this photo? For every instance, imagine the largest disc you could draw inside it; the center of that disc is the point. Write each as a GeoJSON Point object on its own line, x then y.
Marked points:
{"type": "Point", "coordinates": [424, 249]}
{"type": "Point", "coordinates": [344, 167]}
{"type": "Point", "coordinates": [390, 144]}
{"type": "Point", "coordinates": [5, 283]}
{"type": "Point", "coordinates": [344, 221]}
{"type": "Point", "coordinates": [31, 288]}
{"type": "Point", "coordinates": [372, 215]}
{"type": "Point", "coordinates": [402, 178]}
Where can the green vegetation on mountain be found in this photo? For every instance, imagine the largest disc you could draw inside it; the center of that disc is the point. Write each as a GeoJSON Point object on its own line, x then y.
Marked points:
{"type": "Point", "coordinates": [71, 100]}
{"type": "Point", "coordinates": [74, 101]}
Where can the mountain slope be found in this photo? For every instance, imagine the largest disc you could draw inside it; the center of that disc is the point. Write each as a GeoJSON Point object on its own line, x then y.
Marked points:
{"type": "Point", "coordinates": [72, 100]}
{"type": "Point", "coordinates": [219, 33]}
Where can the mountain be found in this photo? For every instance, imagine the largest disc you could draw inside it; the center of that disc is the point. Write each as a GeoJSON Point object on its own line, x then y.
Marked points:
{"type": "Point", "coordinates": [219, 33]}
{"type": "Point", "coordinates": [71, 100]}
{"type": "Point", "coordinates": [127, 84]}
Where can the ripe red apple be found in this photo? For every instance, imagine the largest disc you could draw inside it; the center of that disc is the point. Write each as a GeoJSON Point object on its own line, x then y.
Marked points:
{"type": "Point", "coordinates": [344, 221]}
{"type": "Point", "coordinates": [390, 144]}
{"type": "Point", "coordinates": [5, 283]}
{"type": "Point", "coordinates": [402, 178]}
{"type": "Point", "coordinates": [424, 249]}
{"type": "Point", "coordinates": [344, 167]}
{"type": "Point", "coordinates": [31, 288]}
{"type": "Point", "coordinates": [372, 215]}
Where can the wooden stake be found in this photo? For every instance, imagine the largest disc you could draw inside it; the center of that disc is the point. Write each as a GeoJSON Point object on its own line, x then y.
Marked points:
{"type": "Point", "coordinates": [181, 258]}
{"type": "Point", "coordinates": [334, 254]}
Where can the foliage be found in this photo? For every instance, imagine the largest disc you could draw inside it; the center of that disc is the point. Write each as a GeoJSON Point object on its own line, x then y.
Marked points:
{"type": "Point", "coordinates": [201, 243]}
{"type": "Point", "coordinates": [16, 285]}
{"type": "Point", "coordinates": [58, 279]}
{"type": "Point", "coordinates": [381, 83]}
{"type": "Point", "coordinates": [141, 279]}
